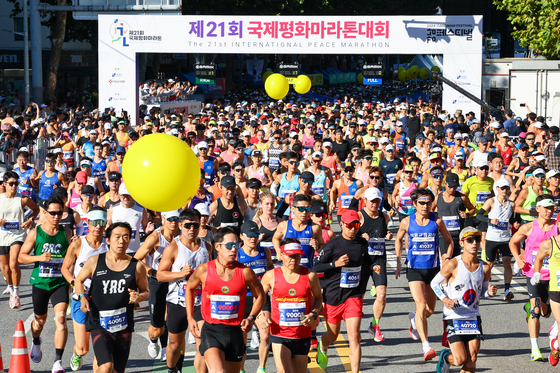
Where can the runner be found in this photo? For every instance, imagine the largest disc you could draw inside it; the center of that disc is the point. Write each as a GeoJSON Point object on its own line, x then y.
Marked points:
{"type": "Point", "coordinates": [180, 258]}
{"type": "Point", "coordinates": [525, 204]}
{"type": "Point", "coordinates": [78, 252]}
{"type": "Point", "coordinates": [288, 182]}
{"type": "Point", "coordinates": [373, 228]}
{"type": "Point", "coordinates": [305, 187]}
{"type": "Point", "coordinates": [421, 229]}
{"type": "Point", "coordinates": [99, 165]}
{"type": "Point", "coordinates": [292, 288]}
{"type": "Point", "coordinates": [267, 222]}
{"type": "Point", "coordinates": [49, 179]}
{"type": "Point", "coordinates": [224, 284]}
{"type": "Point", "coordinates": [27, 175]}
{"type": "Point", "coordinates": [13, 226]}
{"type": "Point", "coordinates": [499, 231]}
{"type": "Point", "coordinates": [467, 280]}
{"type": "Point", "coordinates": [390, 166]}
{"type": "Point", "coordinates": [229, 209]}
{"type": "Point", "coordinates": [252, 201]}
{"type": "Point", "coordinates": [207, 163]}
{"type": "Point", "coordinates": [151, 253]}
{"type": "Point", "coordinates": [87, 196]}
{"type": "Point", "coordinates": [111, 198]}
{"type": "Point", "coordinates": [478, 189]}
{"type": "Point", "coordinates": [343, 191]}
{"type": "Point", "coordinates": [45, 248]}
{"type": "Point", "coordinates": [535, 232]}
{"type": "Point", "coordinates": [402, 192]}
{"type": "Point", "coordinates": [323, 177]}
{"type": "Point", "coordinates": [347, 266]}
{"type": "Point", "coordinates": [117, 282]}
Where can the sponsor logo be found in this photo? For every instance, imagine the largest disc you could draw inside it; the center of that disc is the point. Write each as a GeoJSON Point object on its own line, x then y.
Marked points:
{"type": "Point", "coordinates": [119, 32]}
{"type": "Point", "coordinates": [292, 292]}
{"type": "Point", "coordinates": [225, 289]}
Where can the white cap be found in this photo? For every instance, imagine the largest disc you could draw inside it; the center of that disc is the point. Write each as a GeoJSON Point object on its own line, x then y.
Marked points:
{"type": "Point", "coordinates": [317, 155]}
{"type": "Point", "coordinates": [552, 173]}
{"type": "Point", "coordinates": [174, 131]}
{"type": "Point", "coordinates": [538, 125]}
{"type": "Point", "coordinates": [436, 149]}
{"type": "Point", "coordinates": [327, 144]}
{"type": "Point", "coordinates": [372, 193]}
{"type": "Point", "coordinates": [502, 183]}
{"type": "Point", "coordinates": [377, 126]}
{"type": "Point", "coordinates": [203, 209]}
{"type": "Point", "coordinates": [495, 124]}
{"type": "Point", "coordinates": [170, 81]}
{"type": "Point", "coordinates": [168, 214]}
{"type": "Point", "coordinates": [203, 144]}
{"type": "Point", "coordinates": [457, 136]}
{"type": "Point", "coordinates": [43, 106]}
{"type": "Point", "coordinates": [93, 132]}
{"type": "Point", "coordinates": [389, 147]}
{"type": "Point", "coordinates": [123, 190]}
{"type": "Point", "coordinates": [459, 156]}
{"type": "Point", "coordinates": [399, 124]}
{"type": "Point", "coordinates": [540, 158]}
{"type": "Point", "coordinates": [384, 140]}
{"type": "Point", "coordinates": [293, 134]}
{"type": "Point", "coordinates": [24, 149]}
{"type": "Point", "coordinates": [481, 163]}
{"type": "Point", "coordinates": [504, 134]}
{"type": "Point", "coordinates": [538, 171]}
{"type": "Point", "coordinates": [173, 116]}
{"type": "Point", "coordinates": [85, 162]}
{"type": "Point", "coordinates": [465, 135]}
{"type": "Point", "coordinates": [56, 150]}
{"type": "Point", "coordinates": [361, 121]}
{"type": "Point", "coordinates": [108, 126]}
{"type": "Point", "coordinates": [245, 133]}
{"type": "Point", "coordinates": [147, 117]}
{"type": "Point", "coordinates": [443, 117]}
{"type": "Point", "coordinates": [372, 140]}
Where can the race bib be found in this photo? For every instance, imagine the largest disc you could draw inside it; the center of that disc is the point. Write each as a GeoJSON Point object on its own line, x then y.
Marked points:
{"type": "Point", "coordinates": [304, 261]}
{"type": "Point", "coordinates": [318, 189]}
{"type": "Point", "coordinates": [274, 162]}
{"type": "Point", "coordinates": [544, 263]}
{"type": "Point", "coordinates": [391, 178]}
{"type": "Point", "coordinates": [466, 327]}
{"type": "Point", "coordinates": [10, 226]}
{"type": "Point", "coordinates": [287, 193]}
{"type": "Point", "coordinates": [133, 236]}
{"type": "Point", "coordinates": [558, 278]}
{"type": "Point", "coordinates": [423, 245]}
{"type": "Point", "coordinates": [376, 246]}
{"type": "Point", "coordinates": [406, 202]}
{"type": "Point", "coordinates": [345, 201]}
{"type": "Point", "coordinates": [182, 288]}
{"type": "Point", "coordinates": [501, 226]}
{"type": "Point", "coordinates": [114, 321]}
{"type": "Point", "coordinates": [291, 314]}
{"type": "Point", "coordinates": [229, 224]}
{"type": "Point", "coordinates": [270, 247]}
{"type": "Point", "coordinates": [451, 223]}
{"type": "Point", "coordinates": [350, 277]}
{"type": "Point", "coordinates": [224, 307]}
{"type": "Point", "coordinates": [51, 269]}
{"type": "Point", "coordinates": [481, 197]}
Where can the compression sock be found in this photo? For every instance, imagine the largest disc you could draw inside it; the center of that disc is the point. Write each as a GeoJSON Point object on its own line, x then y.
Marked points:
{"type": "Point", "coordinates": [58, 354]}
{"type": "Point", "coordinates": [172, 370]}
{"type": "Point", "coordinates": [506, 286]}
{"type": "Point", "coordinates": [154, 340]}
{"type": "Point", "coordinates": [163, 337]}
{"type": "Point", "coordinates": [534, 343]}
{"type": "Point", "coordinates": [375, 321]}
{"type": "Point", "coordinates": [180, 362]}
{"type": "Point", "coordinates": [314, 334]}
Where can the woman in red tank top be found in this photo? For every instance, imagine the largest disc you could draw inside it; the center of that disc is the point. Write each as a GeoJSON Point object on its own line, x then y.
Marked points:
{"type": "Point", "coordinates": [293, 313]}
{"type": "Point", "coordinates": [224, 289]}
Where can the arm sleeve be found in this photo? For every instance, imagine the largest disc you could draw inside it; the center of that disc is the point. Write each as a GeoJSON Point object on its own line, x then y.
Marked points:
{"type": "Point", "coordinates": [354, 204]}
{"type": "Point", "coordinates": [282, 209]}
{"type": "Point", "coordinates": [323, 267]}
{"type": "Point", "coordinates": [386, 205]}
{"type": "Point", "coordinates": [436, 286]}
{"type": "Point", "coordinates": [79, 229]}
{"type": "Point", "coordinates": [481, 217]}
{"type": "Point", "coordinates": [274, 189]}
{"type": "Point", "coordinates": [485, 286]}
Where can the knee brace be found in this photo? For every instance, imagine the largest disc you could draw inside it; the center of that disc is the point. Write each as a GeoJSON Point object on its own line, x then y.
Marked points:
{"type": "Point", "coordinates": [534, 314]}
{"type": "Point", "coordinates": [60, 321]}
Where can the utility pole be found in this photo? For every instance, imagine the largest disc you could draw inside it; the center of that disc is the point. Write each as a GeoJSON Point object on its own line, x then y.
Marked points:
{"type": "Point", "coordinates": [36, 51]}
{"type": "Point", "coordinates": [26, 53]}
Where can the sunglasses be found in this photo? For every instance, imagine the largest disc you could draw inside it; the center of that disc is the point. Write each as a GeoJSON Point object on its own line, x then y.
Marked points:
{"type": "Point", "coordinates": [86, 166]}
{"type": "Point", "coordinates": [96, 223]}
{"type": "Point", "coordinates": [353, 225]}
{"type": "Point", "coordinates": [191, 225]}
{"type": "Point", "coordinates": [540, 176]}
{"type": "Point", "coordinates": [306, 181]}
{"type": "Point", "coordinates": [49, 161]}
{"type": "Point", "coordinates": [368, 158]}
{"type": "Point", "coordinates": [472, 239]}
{"type": "Point", "coordinates": [12, 183]}
{"type": "Point", "coordinates": [375, 177]}
{"type": "Point", "coordinates": [484, 168]}
{"type": "Point", "coordinates": [320, 215]}
{"type": "Point", "coordinates": [202, 149]}
{"type": "Point", "coordinates": [504, 187]}
{"type": "Point", "coordinates": [277, 138]}
{"type": "Point", "coordinates": [87, 195]}
{"type": "Point", "coordinates": [224, 172]}
{"type": "Point", "coordinates": [232, 245]}
{"type": "Point", "coordinates": [437, 176]}
{"type": "Point", "coordinates": [529, 139]}
{"type": "Point", "coordinates": [294, 163]}
{"type": "Point", "coordinates": [409, 172]}
{"type": "Point", "coordinates": [53, 213]}
{"type": "Point", "coordinates": [173, 219]}
{"type": "Point", "coordinates": [239, 169]}
{"type": "Point", "coordinates": [251, 235]}
{"type": "Point", "coordinates": [302, 208]}
{"type": "Point", "coordinates": [424, 203]}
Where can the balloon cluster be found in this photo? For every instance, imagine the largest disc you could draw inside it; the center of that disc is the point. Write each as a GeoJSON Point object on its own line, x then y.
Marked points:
{"type": "Point", "coordinates": [415, 72]}
{"type": "Point", "coordinates": [277, 86]}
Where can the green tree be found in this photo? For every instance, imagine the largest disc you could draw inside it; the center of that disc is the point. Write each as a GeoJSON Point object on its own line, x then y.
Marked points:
{"type": "Point", "coordinates": [535, 24]}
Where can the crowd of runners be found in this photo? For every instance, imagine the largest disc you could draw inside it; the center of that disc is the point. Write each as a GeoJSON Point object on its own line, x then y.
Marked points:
{"type": "Point", "coordinates": [253, 255]}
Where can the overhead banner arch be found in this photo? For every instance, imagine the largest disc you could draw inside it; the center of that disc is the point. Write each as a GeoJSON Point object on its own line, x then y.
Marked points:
{"type": "Point", "coordinates": [121, 37]}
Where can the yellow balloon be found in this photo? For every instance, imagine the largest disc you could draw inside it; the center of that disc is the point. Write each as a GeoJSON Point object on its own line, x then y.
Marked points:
{"type": "Point", "coordinates": [436, 69]}
{"type": "Point", "coordinates": [400, 69]}
{"type": "Point", "coordinates": [266, 75]}
{"type": "Point", "coordinates": [414, 71]}
{"type": "Point", "coordinates": [360, 78]}
{"type": "Point", "coordinates": [302, 84]}
{"type": "Point", "coordinates": [402, 75]}
{"type": "Point", "coordinates": [424, 73]}
{"type": "Point", "coordinates": [161, 172]}
{"type": "Point", "coordinates": [409, 75]}
{"type": "Point", "coordinates": [276, 86]}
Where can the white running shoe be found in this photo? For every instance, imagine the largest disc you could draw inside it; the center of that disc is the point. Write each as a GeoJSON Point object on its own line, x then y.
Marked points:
{"type": "Point", "coordinates": [191, 339]}
{"type": "Point", "coordinates": [6, 291]}
{"type": "Point", "coordinates": [57, 367]}
{"type": "Point", "coordinates": [36, 354]}
{"type": "Point", "coordinates": [255, 342]}
{"type": "Point", "coordinates": [413, 331]}
{"type": "Point", "coordinates": [163, 354]}
{"type": "Point", "coordinates": [153, 349]}
{"type": "Point", "coordinates": [76, 362]}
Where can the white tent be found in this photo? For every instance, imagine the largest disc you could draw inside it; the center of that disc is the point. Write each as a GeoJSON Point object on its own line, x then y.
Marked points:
{"type": "Point", "coordinates": [433, 61]}
{"type": "Point", "coordinates": [420, 62]}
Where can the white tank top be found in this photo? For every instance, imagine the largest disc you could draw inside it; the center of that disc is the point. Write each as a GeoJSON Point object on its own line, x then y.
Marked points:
{"type": "Point", "coordinates": [83, 218]}
{"type": "Point", "coordinates": [152, 260]}
{"type": "Point", "coordinates": [185, 256]}
{"type": "Point", "coordinates": [465, 291]}
{"type": "Point", "coordinates": [502, 231]}
{"type": "Point", "coordinates": [10, 209]}
{"type": "Point", "coordinates": [86, 252]}
{"type": "Point", "coordinates": [250, 212]}
{"type": "Point", "coordinates": [132, 216]}
{"type": "Point", "coordinates": [478, 156]}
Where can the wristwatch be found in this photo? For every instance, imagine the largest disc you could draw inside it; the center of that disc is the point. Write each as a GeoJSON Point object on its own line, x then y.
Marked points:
{"type": "Point", "coordinates": [315, 315]}
{"type": "Point", "coordinates": [72, 282]}
{"type": "Point", "coordinates": [252, 317]}
{"type": "Point", "coordinates": [81, 296]}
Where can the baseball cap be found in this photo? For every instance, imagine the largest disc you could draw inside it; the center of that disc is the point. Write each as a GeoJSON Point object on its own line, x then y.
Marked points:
{"type": "Point", "coordinates": [350, 215]}
{"type": "Point", "coordinates": [81, 177]}
{"type": "Point", "coordinates": [88, 189]}
{"type": "Point", "coordinates": [452, 180]}
{"type": "Point", "coordinates": [504, 134]}
{"type": "Point", "coordinates": [228, 181]}
{"type": "Point", "coordinates": [372, 140]}
{"type": "Point", "coordinates": [317, 155]}
{"type": "Point", "coordinates": [522, 135]}
{"type": "Point", "coordinates": [256, 152]}
{"type": "Point", "coordinates": [93, 132]}
{"type": "Point", "coordinates": [469, 231]}
{"type": "Point", "coordinates": [123, 190]}
{"type": "Point", "coordinates": [502, 182]}
{"type": "Point", "coordinates": [171, 214]}
{"type": "Point", "coordinates": [373, 193]}
{"type": "Point", "coordinates": [318, 209]}
{"type": "Point", "coordinates": [481, 163]}
{"type": "Point", "coordinates": [538, 171]}
{"type": "Point", "coordinates": [59, 192]}
{"type": "Point", "coordinates": [552, 173]}
{"type": "Point", "coordinates": [408, 167]}
{"type": "Point", "coordinates": [292, 248]}
{"type": "Point", "coordinates": [457, 136]}
{"type": "Point", "coordinates": [389, 147]}
{"type": "Point", "coordinates": [120, 149]}
{"type": "Point", "coordinates": [108, 126]}
{"type": "Point", "coordinates": [547, 202]}
{"type": "Point", "coordinates": [203, 209]}
{"type": "Point", "coordinates": [435, 155]}
{"type": "Point", "coordinates": [114, 176]}
{"type": "Point", "coordinates": [252, 183]}
{"type": "Point", "coordinates": [307, 175]}
{"type": "Point", "coordinates": [327, 144]}
{"type": "Point", "coordinates": [523, 145]}
{"type": "Point", "coordinates": [203, 145]}
{"type": "Point", "coordinates": [384, 140]}
{"type": "Point", "coordinates": [250, 227]}
{"type": "Point", "coordinates": [538, 125]}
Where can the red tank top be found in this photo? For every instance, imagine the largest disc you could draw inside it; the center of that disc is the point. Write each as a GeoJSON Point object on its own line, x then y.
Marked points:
{"type": "Point", "coordinates": [289, 302]}
{"type": "Point", "coordinates": [506, 155]}
{"type": "Point", "coordinates": [223, 302]}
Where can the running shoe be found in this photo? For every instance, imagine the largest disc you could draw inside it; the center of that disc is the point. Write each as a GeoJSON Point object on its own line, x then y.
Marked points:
{"type": "Point", "coordinates": [442, 365]}
{"type": "Point", "coordinates": [377, 335]}
{"type": "Point", "coordinates": [508, 295]}
{"type": "Point", "coordinates": [153, 349]}
{"type": "Point", "coordinates": [527, 309]}
{"type": "Point", "coordinates": [36, 354]}
{"type": "Point", "coordinates": [413, 332]}
{"type": "Point", "coordinates": [322, 359]}
{"type": "Point", "coordinates": [254, 339]}
{"type": "Point", "coordinates": [6, 291]}
{"type": "Point", "coordinates": [536, 355]}
{"type": "Point", "coordinates": [11, 302]}
{"type": "Point", "coordinates": [57, 367]}
{"type": "Point", "coordinates": [261, 370]}
{"type": "Point", "coordinates": [17, 303]}
{"type": "Point", "coordinates": [554, 353]}
{"type": "Point", "coordinates": [314, 344]}
{"type": "Point", "coordinates": [191, 339]}
{"type": "Point", "coordinates": [163, 354]}
{"type": "Point", "coordinates": [76, 362]}
{"type": "Point", "coordinates": [373, 291]}
{"type": "Point", "coordinates": [429, 355]}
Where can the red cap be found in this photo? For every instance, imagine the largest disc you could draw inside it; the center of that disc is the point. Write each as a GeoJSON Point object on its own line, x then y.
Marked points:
{"type": "Point", "coordinates": [349, 216]}
{"type": "Point", "coordinates": [292, 248]}
{"type": "Point", "coordinates": [81, 177]}
{"type": "Point", "coordinates": [294, 121]}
